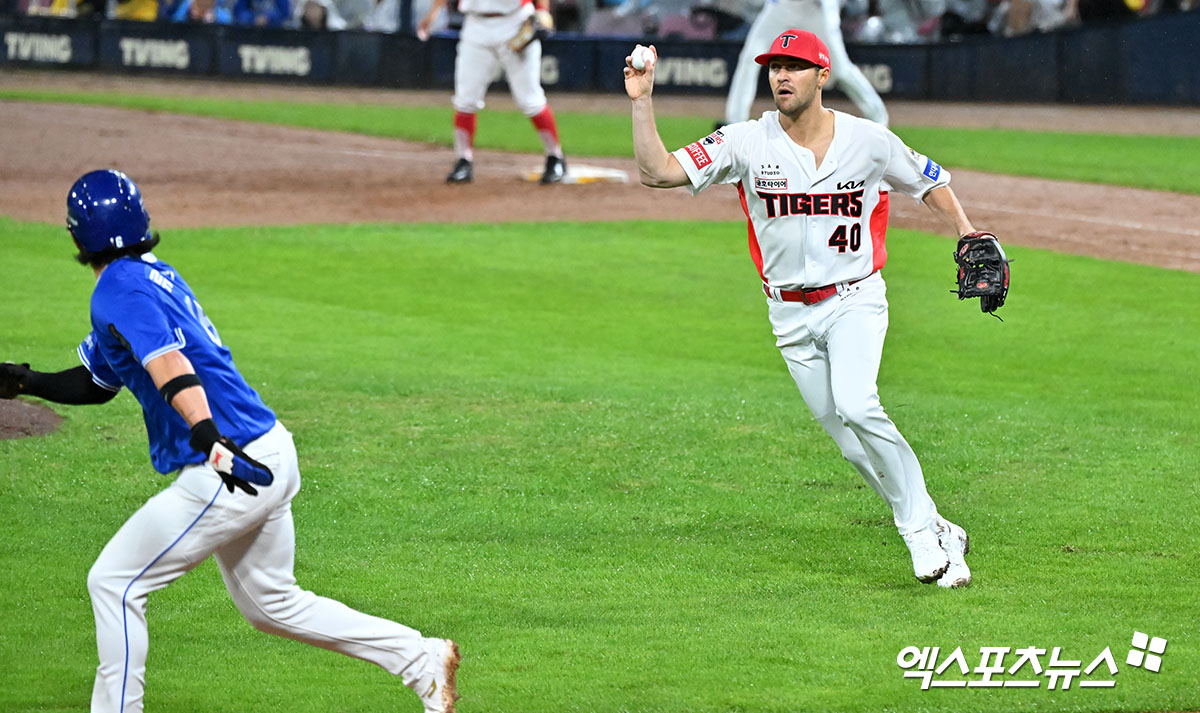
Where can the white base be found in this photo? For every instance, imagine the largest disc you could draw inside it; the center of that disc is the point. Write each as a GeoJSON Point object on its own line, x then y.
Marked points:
{"type": "Point", "coordinates": [583, 174]}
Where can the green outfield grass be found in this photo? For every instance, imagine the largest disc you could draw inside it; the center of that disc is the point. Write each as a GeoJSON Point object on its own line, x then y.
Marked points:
{"type": "Point", "coordinates": [574, 449]}
{"type": "Point", "coordinates": [1159, 162]}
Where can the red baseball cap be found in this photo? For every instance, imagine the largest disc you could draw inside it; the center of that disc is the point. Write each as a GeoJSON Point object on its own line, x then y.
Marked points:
{"type": "Point", "coordinates": [799, 44]}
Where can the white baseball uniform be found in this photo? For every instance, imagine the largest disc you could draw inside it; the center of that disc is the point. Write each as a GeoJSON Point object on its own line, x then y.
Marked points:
{"type": "Point", "coordinates": [823, 229]}
{"type": "Point", "coordinates": [483, 42]}
{"type": "Point", "coordinates": [253, 541]}
{"type": "Point", "coordinates": [820, 17]}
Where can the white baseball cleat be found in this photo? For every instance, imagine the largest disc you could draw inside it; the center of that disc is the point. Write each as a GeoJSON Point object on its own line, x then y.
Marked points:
{"type": "Point", "coordinates": [956, 544]}
{"type": "Point", "coordinates": [441, 693]}
{"type": "Point", "coordinates": [929, 560]}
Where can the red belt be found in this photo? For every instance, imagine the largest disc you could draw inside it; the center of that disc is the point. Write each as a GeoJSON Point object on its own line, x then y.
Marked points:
{"type": "Point", "coordinates": [810, 297]}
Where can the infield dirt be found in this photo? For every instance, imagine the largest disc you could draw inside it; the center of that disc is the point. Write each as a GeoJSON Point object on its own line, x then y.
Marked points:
{"type": "Point", "coordinates": [209, 172]}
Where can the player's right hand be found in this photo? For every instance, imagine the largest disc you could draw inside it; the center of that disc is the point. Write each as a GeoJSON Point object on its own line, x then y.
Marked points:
{"type": "Point", "coordinates": [231, 463]}
{"type": "Point", "coordinates": [12, 376]}
{"type": "Point", "coordinates": [639, 83]}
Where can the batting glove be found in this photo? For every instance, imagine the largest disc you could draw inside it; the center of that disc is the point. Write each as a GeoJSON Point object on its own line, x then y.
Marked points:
{"type": "Point", "coordinates": [231, 463]}
{"type": "Point", "coordinates": [12, 379]}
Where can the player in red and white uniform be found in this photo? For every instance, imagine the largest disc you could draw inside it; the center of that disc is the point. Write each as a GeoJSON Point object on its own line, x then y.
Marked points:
{"type": "Point", "coordinates": [814, 185]}
{"type": "Point", "coordinates": [822, 17]}
{"type": "Point", "coordinates": [483, 43]}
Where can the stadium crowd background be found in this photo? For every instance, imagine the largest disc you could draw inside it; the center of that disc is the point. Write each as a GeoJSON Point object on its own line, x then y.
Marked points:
{"type": "Point", "coordinates": [863, 21]}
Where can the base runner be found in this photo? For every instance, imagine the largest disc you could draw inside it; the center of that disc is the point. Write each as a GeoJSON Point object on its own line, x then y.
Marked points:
{"type": "Point", "coordinates": [234, 467]}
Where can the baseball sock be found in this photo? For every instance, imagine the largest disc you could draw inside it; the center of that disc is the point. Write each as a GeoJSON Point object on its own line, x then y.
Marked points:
{"type": "Point", "coordinates": [464, 135]}
{"type": "Point", "coordinates": [543, 121]}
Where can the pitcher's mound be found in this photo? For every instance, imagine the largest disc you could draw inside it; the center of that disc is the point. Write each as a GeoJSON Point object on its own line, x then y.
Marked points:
{"type": "Point", "coordinates": [19, 419]}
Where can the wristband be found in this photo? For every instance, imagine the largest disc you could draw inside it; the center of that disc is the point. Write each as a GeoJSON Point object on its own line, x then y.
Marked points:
{"type": "Point", "coordinates": [204, 435]}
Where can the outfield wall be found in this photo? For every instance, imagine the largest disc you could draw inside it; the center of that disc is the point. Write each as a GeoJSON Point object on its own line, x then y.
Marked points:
{"type": "Point", "coordinates": [1150, 61]}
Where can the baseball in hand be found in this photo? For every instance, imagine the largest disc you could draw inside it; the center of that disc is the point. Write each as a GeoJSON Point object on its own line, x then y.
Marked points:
{"type": "Point", "coordinates": [640, 57]}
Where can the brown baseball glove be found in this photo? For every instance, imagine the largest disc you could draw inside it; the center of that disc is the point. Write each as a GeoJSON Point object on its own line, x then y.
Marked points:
{"type": "Point", "coordinates": [537, 26]}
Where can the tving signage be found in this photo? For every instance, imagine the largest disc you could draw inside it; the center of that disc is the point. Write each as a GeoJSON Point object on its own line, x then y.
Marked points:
{"type": "Point", "coordinates": [163, 49]}
{"type": "Point", "coordinates": [57, 44]}
{"type": "Point", "coordinates": [312, 58]}
{"type": "Point", "coordinates": [155, 54]}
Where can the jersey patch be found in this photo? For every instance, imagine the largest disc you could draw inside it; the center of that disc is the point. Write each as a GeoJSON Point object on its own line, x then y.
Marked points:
{"type": "Point", "coordinates": [932, 170]}
{"type": "Point", "coordinates": [698, 155]}
{"type": "Point", "coordinates": [770, 184]}
{"type": "Point", "coordinates": [715, 137]}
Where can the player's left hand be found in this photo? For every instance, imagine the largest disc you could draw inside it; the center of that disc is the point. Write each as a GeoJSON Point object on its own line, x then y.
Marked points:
{"type": "Point", "coordinates": [231, 463]}
{"type": "Point", "coordinates": [12, 379]}
{"type": "Point", "coordinates": [982, 270]}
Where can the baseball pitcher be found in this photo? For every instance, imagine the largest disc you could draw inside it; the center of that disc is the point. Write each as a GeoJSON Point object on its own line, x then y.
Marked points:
{"type": "Point", "coordinates": [814, 187]}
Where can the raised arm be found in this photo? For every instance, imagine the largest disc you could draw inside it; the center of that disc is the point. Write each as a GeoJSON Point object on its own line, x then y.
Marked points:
{"type": "Point", "coordinates": [426, 22]}
{"type": "Point", "coordinates": [656, 167]}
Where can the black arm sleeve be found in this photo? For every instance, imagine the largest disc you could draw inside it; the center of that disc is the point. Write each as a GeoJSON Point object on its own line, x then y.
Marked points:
{"type": "Point", "coordinates": [73, 386]}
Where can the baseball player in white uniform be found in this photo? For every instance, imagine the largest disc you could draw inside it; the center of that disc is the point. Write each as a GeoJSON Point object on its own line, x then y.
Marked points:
{"type": "Point", "coordinates": [814, 187]}
{"type": "Point", "coordinates": [484, 42]}
{"type": "Point", "coordinates": [821, 17]}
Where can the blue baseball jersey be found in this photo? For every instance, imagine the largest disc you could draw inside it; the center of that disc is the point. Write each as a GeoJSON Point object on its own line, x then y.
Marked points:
{"type": "Point", "coordinates": [142, 309]}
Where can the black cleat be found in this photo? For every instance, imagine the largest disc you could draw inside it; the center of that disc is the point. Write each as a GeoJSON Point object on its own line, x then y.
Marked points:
{"type": "Point", "coordinates": [556, 168]}
{"type": "Point", "coordinates": [461, 173]}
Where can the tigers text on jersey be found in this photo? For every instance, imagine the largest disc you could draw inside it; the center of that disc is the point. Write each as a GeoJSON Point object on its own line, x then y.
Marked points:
{"type": "Point", "coordinates": [812, 226]}
{"type": "Point", "coordinates": [142, 309]}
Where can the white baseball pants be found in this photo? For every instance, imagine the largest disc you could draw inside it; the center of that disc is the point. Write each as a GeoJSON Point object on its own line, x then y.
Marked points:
{"type": "Point", "coordinates": [820, 17]}
{"type": "Point", "coordinates": [833, 350]}
{"type": "Point", "coordinates": [482, 46]}
{"type": "Point", "coordinates": [253, 541]}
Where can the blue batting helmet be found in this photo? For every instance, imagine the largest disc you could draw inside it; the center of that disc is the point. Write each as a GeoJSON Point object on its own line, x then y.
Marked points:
{"type": "Point", "coordinates": [105, 212]}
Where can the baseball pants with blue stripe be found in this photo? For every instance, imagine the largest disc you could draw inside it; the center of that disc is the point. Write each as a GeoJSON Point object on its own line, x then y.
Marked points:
{"type": "Point", "coordinates": [253, 541]}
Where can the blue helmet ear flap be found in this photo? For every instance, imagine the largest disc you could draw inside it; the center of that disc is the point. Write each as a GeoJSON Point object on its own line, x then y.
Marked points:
{"type": "Point", "coordinates": [105, 213]}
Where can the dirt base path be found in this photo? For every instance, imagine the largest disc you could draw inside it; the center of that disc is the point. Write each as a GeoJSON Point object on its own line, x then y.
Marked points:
{"type": "Point", "coordinates": [1171, 121]}
{"type": "Point", "coordinates": [22, 419]}
{"type": "Point", "coordinates": [201, 172]}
